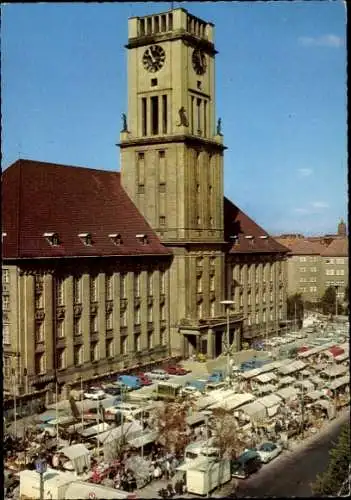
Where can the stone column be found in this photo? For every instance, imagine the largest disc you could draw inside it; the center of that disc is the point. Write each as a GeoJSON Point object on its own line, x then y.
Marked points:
{"type": "Point", "coordinates": [69, 319]}
{"type": "Point", "coordinates": [210, 346]}
{"type": "Point", "coordinates": [85, 318]}
{"type": "Point", "coordinates": [49, 330]}
{"type": "Point", "coordinates": [29, 332]}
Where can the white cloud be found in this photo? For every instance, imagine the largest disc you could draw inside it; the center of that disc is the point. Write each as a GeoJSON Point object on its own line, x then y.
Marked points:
{"type": "Point", "coordinates": [319, 204]}
{"type": "Point", "coordinates": [305, 172]}
{"type": "Point", "coordinates": [301, 210]}
{"type": "Point", "coordinates": [330, 40]}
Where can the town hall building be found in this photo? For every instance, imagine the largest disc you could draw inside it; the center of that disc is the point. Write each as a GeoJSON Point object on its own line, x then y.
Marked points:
{"type": "Point", "coordinates": [106, 270]}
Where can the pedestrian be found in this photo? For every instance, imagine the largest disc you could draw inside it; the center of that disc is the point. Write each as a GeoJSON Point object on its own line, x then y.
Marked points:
{"type": "Point", "coordinates": [168, 469]}
{"type": "Point", "coordinates": [157, 472]}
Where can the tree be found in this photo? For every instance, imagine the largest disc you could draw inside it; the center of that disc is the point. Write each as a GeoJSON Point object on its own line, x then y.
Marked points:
{"type": "Point", "coordinates": [328, 301]}
{"type": "Point", "coordinates": [295, 308]}
{"type": "Point", "coordinates": [226, 434]}
{"type": "Point", "coordinates": [170, 422]}
{"type": "Point", "coordinates": [331, 481]}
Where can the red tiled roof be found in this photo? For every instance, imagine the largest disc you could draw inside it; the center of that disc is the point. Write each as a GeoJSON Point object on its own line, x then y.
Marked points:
{"type": "Point", "coordinates": [339, 247]}
{"type": "Point", "coordinates": [238, 224]}
{"type": "Point", "coordinates": [298, 246]}
{"type": "Point", "coordinates": [40, 197]}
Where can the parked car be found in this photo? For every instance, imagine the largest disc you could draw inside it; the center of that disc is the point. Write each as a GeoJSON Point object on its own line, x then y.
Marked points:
{"type": "Point", "coordinates": [158, 374]}
{"type": "Point", "coordinates": [95, 394]}
{"type": "Point", "coordinates": [268, 451]}
{"type": "Point", "coordinates": [124, 409]}
{"type": "Point", "coordinates": [175, 370]}
{"type": "Point", "coordinates": [113, 390]}
{"type": "Point", "coordinates": [93, 414]}
{"type": "Point", "coordinates": [129, 382]}
{"type": "Point", "coordinates": [144, 379]}
{"type": "Point", "coordinates": [246, 464]}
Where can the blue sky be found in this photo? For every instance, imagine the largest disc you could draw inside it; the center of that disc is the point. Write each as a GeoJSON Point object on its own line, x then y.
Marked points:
{"type": "Point", "coordinates": [281, 94]}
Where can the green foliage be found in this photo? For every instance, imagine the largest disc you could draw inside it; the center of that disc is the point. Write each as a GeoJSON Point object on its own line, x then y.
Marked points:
{"type": "Point", "coordinates": [328, 301]}
{"type": "Point", "coordinates": [295, 303]}
{"type": "Point", "coordinates": [330, 482]}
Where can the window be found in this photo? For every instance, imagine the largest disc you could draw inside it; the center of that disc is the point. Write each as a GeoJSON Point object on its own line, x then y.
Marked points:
{"type": "Point", "coordinates": [109, 320]}
{"type": "Point", "coordinates": [241, 300]}
{"type": "Point", "coordinates": [280, 313]}
{"type": "Point", "coordinates": [123, 288]}
{"type": "Point", "coordinates": [256, 318]}
{"type": "Point", "coordinates": [212, 283]}
{"type": "Point", "coordinates": [142, 27]}
{"type": "Point", "coordinates": [302, 259]}
{"type": "Point", "coordinates": [137, 316]}
{"type": "Point", "coordinates": [137, 342]}
{"type": "Point", "coordinates": [144, 116]}
{"type": "Point", "coordinates": [60, 331]}
{"type": "Point", "coordinates": [109, 348]}
{"type": "Point", "coordinates": [249, 320]}
{"type": "Point", "coordinates": [163, 312]}
{"type": "Point", "coordinates": [313, 280]}
{"type": "Point", "coordinates": [257, 273]}
{"type": "Point", "coordinates": [150, 281]}
{"type": "Point", "coordinates": [94, 351]}
{"type": "Point", "coordinates": [5, 276]}
{"type": "Point", "coordinates": [108, 285]}
{"type": "Point", "coordinates": [271, 272]}
{"type": "Point", "coordinates": [77, 326]}
{"type": "Point", "coordinates": [39, 363]}
{"type": "Point", "coordinates": [199, 310]}
{"type": "Point", "coordinates": [199, 261]}
{"type": "Point", "coordinates": [198, 104]}
{"type": "Point", "coordinates": [339, 261]}
{"type": "Point", "coordinates": [59, 291]}
{"type": "Point", "coordinates": [7, 366]}
{"type": "Point", "coordinates": [77, 290]}
{"type": "Point", "coordinates": [271, 315]}
{"type": "Point", "coordinates": [149, 25]}
{"type": "Point", "coordinates": [199, 284]}
{"type": "Point", "coordinates": [150, 340]}
{"type": "Point", "coordinates": [313, 288]}
{"type": "Point", "coordinates": [163, 336]}
{"type": "Point", "coordinates": [61, 359]}
{"type": "Point", "coordinates": [271, 296]}
{"type": "Point", "coordinates": [123, 345]}
{"type": "Point", "coordinates": [78, 355]}
{"type": "Point", "coordinates": [5, 302]}
{"type": "Point", "coordinates": [303, 280]}
{"type": "Point", "coordinates": [170, 22]}
{"type": "Point", "coordinates": [302, 289]}
{"type": "Point", "coordinates": [164, 114]}
{"type": "Point", "coordinates": [313, 269]}
{"type": "Point", "coordinates": [205, 118]}
{"type": "Point", "coordinates": [340, 272]}
{"type": "Point", "coordinates": [212, 309]}
{"type": "Point", "coordinates": [163, 23]}
{"type": "Point", "coordinates": [249, 299]}
{"type": "Point", "coordinates": [302, 269]}
{"type": "Point", "coordinates": [264, 316]}
{"type": "Point", "coordinates": [154, 115]}
{"type": "Point", "coordinates": [6, 334]}
{"type": "Point", "coordinates": [93, 324]}
{"type": "Point", "coordinates": [211, 221]}
{"type": "Point", "coordinates": [329, 272]}
{"type": "Point", "coordinates": [162, 282]}
{"type": "Point", "coordinates": [198, 221]}
{"type": "Point", "coordinates": [241, 274]}
{"type": "Point", "coordinates": [124, 317]}
{"type": "Point", "coordinates": [162, 220]}
{"type": "Point", "coordinates": [150, 314]}
{"type": "Point", "coordinates": [264, 297]}
{"type": "Point", "coordinates": [93, 288]}
{"type": "Point", "coordinates": [39, 332]}
{"type": "Point", "coordinates": [330, 261]}
{"type": "Point", "coordinates": [136, 284]}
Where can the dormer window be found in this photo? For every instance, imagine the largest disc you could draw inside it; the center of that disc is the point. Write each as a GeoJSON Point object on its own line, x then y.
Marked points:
{"type": "Point", "coordinates": [234, 238]}
{"type": "Point", "coordinates": [142, 238]}
{"type": "Point", "coordinates": [263, 237]}
{"type": "Point", "coordinates": [86, 239]}
{"type": "Point", "coordinates": [52, 239]}
{"type": "Point", "coordinates": [250, 238]}
{"type": "Point", "coordinates": [116, 238]}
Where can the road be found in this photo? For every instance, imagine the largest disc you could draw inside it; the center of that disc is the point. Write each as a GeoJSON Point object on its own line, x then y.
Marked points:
{"type": "Point", "coordinates": [292, 474]}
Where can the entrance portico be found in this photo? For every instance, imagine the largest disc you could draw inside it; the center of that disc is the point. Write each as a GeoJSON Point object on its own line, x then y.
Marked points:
{"type": "Point", "coordinates": [209, 336]}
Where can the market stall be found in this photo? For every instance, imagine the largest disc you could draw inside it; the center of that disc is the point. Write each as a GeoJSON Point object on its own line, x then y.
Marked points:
{"type": "Point", "coordinates": [272, 402]}
{"type": "Point", "coordinates": [288, 393]}
{"type": "Point", "coordinates": [79, 456]}
{"type": "Point", "coordinates": [255, 411]}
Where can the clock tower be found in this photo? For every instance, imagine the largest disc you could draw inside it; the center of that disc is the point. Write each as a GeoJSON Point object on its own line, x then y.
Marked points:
{"type": "Point", "coordinates": [172, 161]}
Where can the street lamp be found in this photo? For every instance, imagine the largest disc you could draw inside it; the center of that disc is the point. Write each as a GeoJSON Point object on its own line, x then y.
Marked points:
{"type": "Point", "coordinates": [207, 414]}
{"type": "Point", "coordinates": [40, 467]}
{"type": "Point", "coordinates": [228, 304]}
{"type": "Point", "coordinates": [336, 302]}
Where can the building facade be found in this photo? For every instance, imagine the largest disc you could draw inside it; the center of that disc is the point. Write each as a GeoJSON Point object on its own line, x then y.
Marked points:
{"type": "Point", "coordinates": [316, 263]}
{"type": "Point", "coordinates": [121, 269]}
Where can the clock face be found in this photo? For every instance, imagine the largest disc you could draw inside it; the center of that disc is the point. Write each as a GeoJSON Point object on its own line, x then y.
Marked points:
{"type": "Point", "coordinates": [199, 62]}
{"type": "Point", "coordinates": [154, 58]}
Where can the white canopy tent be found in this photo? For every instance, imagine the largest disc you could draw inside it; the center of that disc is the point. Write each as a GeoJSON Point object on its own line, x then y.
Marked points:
{"type": "Point", "coordinates": [265, 377]}
{"type": "Point", "coordinates": [255, 410]}
{"type": "Point", "coordinates": [293, 367]}
{"type": "Point", "coordinates": [79, 456]}
{"type": "Point", "coordinates": [288, 393]}
{"type": "Point", "coordinates": [234, 401]}
{"type": "Point", "coordinates": [334, 371]}
{"type": "Point", "coordinates": [339, 382]}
